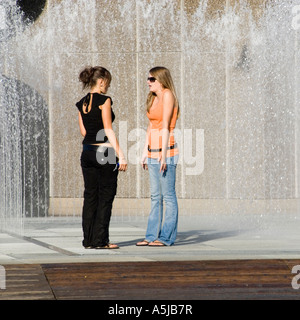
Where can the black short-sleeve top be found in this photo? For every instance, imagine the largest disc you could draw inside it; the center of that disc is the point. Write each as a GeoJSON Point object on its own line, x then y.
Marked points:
{"type": "Point", "coordinates": [91, 113]}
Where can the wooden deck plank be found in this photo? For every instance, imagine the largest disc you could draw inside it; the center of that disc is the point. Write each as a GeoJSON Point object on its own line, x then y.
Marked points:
{"type": "Point", "coordinates": [26, 282]}
{"type": "Point", "coordinates": [244, 279]}
{"type": "Point", "coordinates": [184, 280]}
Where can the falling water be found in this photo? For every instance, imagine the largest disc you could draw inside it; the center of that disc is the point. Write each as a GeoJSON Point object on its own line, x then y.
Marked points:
{"type": "Point", "coordinates": [235, 69]}
{"type": "Point", "coordinates": [254, 88]}
{"type": "Point", "coordinates": [23, 133]}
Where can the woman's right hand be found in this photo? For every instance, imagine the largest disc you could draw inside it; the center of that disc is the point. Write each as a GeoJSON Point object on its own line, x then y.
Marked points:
{"type": "Point", "coordinates": [144, 161]}
{"type": "Point", "coordinates": [122, 164]}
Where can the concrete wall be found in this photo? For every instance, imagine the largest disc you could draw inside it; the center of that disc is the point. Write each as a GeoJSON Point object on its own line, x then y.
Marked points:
{"type": "Point", "coordinates": [235, 153]}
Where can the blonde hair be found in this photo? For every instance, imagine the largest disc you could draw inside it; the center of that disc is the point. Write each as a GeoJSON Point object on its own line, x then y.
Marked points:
{"type": "Point", "coordinates": [163, 76]}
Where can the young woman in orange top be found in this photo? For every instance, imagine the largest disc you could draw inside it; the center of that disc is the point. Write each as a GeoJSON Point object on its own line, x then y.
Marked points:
{"type": "Point", "coordinates": [160, 157]}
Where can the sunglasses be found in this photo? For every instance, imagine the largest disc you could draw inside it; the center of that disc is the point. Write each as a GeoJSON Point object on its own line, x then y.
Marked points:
{"type": "Point", "coordinates": [151, 79]}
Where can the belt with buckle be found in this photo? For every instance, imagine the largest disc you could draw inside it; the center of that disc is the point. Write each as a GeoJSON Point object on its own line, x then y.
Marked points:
{"type": "Point", "coordinates": [160, 150]}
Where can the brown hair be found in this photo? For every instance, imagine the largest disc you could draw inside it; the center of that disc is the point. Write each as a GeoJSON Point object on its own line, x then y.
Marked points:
{"type": "Point", "coordinates": [162, 75]}
{"type": "Point", "coordinates": [90, 75]}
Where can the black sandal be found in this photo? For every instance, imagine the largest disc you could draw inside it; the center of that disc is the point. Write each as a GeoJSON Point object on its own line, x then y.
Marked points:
{"type": "Point", "coordinates": [156, 243]}
{"type": "Point", "coordinates": [109, 246]}
{"type": "Point", "coordinates": [143, 243]}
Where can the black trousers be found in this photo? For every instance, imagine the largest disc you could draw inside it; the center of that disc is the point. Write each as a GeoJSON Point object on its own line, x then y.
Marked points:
{"type": "Point", "coordinates": [100, 188]}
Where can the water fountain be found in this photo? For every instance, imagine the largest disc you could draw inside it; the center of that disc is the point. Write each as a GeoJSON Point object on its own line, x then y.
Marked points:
{"type": "Point", "coordinates": [24, 131]}
{"type": "Point", "coordinates": [235, 68]}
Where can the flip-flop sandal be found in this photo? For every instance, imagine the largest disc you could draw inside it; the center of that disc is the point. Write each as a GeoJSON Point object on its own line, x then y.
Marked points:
{"type": "Point", "coordinates": [143, 243]}
{"type": "Point", "coordinates": [108, 246]}
{"type": "Point", "coordinates": [156, 243]}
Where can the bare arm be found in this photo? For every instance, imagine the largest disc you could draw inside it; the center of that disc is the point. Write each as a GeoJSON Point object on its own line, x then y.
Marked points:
{"type": "Point", "coordinates": [81, 126]}
{"type": "Point", "coordinates": [168, 108]}
{"type": "Point", "coordinates": [145, 150]}
{"type": "Point", "coordinates": [107, 123]}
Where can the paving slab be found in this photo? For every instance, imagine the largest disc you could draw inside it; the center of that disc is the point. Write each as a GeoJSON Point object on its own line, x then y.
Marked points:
{"type": "Point", "coordinates": [225, 257]}
{"type": "Point", "coordinates": [54, 240]}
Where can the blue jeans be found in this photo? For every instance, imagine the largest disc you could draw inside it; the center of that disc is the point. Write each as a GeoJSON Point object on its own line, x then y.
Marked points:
{"type": "Point", "coordinates": [162, 187]}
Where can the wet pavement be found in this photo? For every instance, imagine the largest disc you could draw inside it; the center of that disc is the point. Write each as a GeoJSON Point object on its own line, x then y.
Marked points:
{"type": "Point", "coordinates": [58, 240]}
{"type": "Point", "coordinates": [215, 257]}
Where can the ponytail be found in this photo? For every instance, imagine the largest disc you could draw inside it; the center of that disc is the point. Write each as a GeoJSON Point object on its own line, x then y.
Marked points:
{"type": "Point", "coordinates": [90, 75]}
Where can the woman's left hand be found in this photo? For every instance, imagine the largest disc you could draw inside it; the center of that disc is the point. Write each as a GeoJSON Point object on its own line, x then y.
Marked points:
{"type": "Point", "coordinates": [163, 164]}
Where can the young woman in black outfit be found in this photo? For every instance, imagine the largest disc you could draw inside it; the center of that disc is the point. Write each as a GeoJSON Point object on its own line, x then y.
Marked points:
{"type": "Point", "coordinates": [101, 158]}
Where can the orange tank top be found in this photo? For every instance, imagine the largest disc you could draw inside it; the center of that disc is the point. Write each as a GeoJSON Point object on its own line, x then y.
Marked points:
{"type": "Point", "coordinates": [155, 115]}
